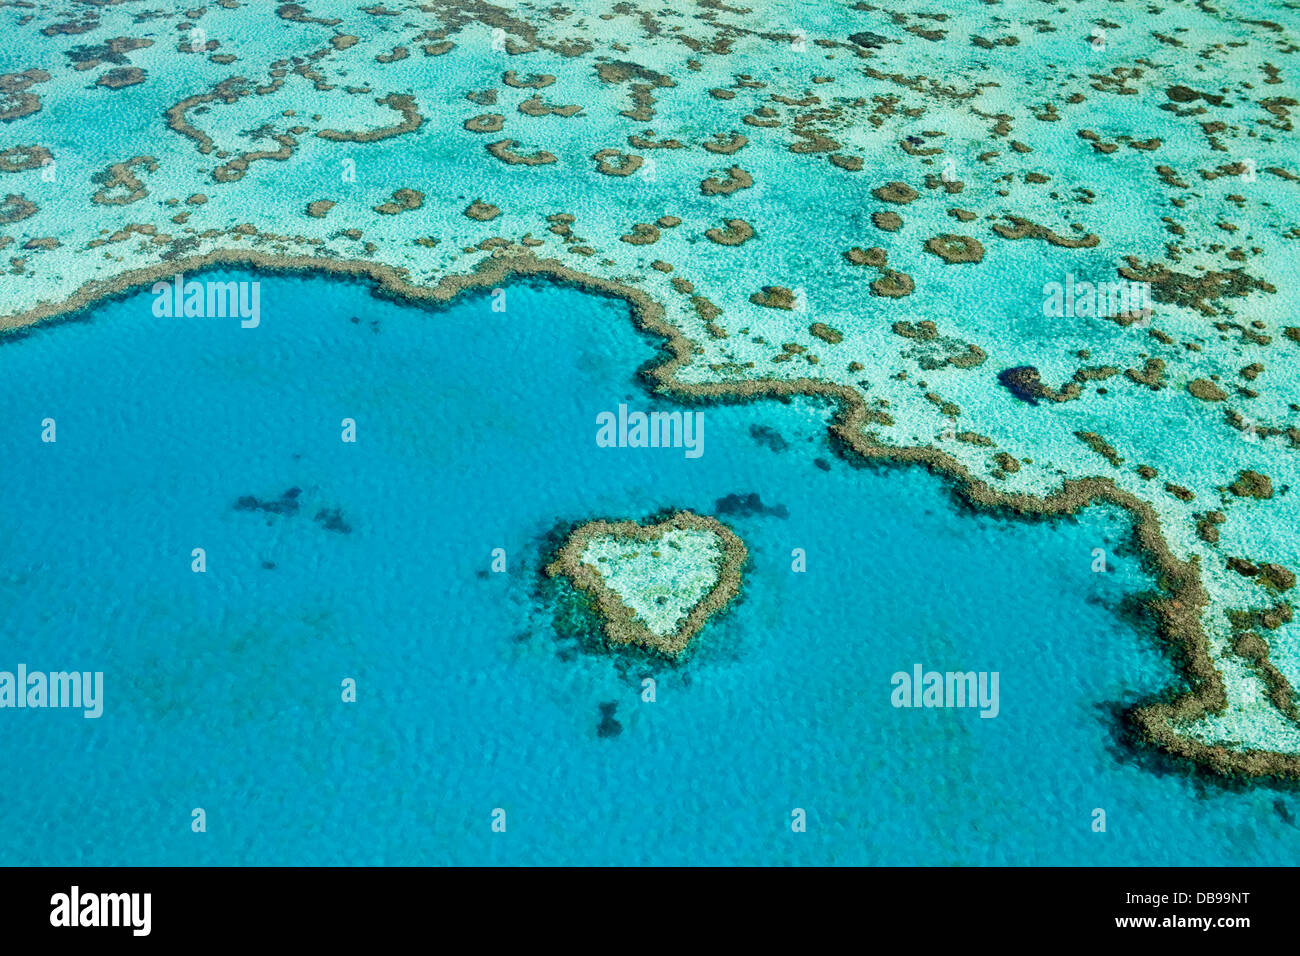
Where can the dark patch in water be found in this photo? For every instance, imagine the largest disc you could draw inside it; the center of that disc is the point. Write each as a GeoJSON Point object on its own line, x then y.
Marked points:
{"type": "Point", "coordinates": [109, 53]}
{"type": "Point", "coordinates": [1023, 382]}
{"type": "Point", "coordinates": [1280, 809]}
{"type": "Point", "coordinates": [768, 437]}
{"type": "Point", "coordinates": [286, 504]}
{"type": "Point", "coordinates": [872, 41]}
{"type": "Point", "coordinates": [608, 727]}
{"type": "Point", "coordinates": [746, 506]}
{"type": "Point", "coordinates": [822, 463]}
{"type": "Point", "coordinates": [331, 519]}
{"type": "Point", "coordinates": [268, 565]}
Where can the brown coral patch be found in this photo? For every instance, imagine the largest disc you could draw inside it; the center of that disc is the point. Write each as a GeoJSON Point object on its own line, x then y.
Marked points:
{"type": "Point", "coordinates": [16, 100]}
{"type": "Point", "coordinates": [121, 177]}
{"type": "Point", "coordinates": [534, 81]}
{"type": "Point", "coordinates": [827, 334]}
{"type": "Point", "coordinates": [1198, 291]}
{"type": "Point", "coordinates": [485, 123]}
{"type": "Point", "coordinates": [1252, 484]}
{"type": "Point", "coordinates": [887, 221]}
{"type": "Point", "coordinates": [775, 297]}
{"type": "Point", "coordinates": [737, 232]}
{"type": "Point", "coordinates": [1100, 446]}
{"type": "Point", "coordinates": [725, 143]}
{"type": "Point", "coordinates": [953, 248]}
{"type": "Point", "coordinates": [612, 162]}
{"type": "Point", "coordinates": [874, 257]}
{"type": "Point", "coordinates": [893, 284]}
{"type": "Point", "coordinates": [16, 159]}
{"type": "Point", "coordinates": [1021, 228]}
{"type": "Point", "coordinates": [16, 208]}
{"type": "Point", "coordinates": [404, 200]}
{"type": "Point", "coordinates": [122, 76]}
{"type": "Point", "coordinates": [1206, 390]}
{"type": "Point", "coordinates": [503, 149]}
{"type": "Point", "coordinates": [736, 179]}
{"type": "Point", "coordinates": [482, 211]}
{"type": "Point", "coordinates": [895, 192]}
{"type": "Point", "coordinates": [535, 106]}
{"type": "Point", "coordinates": [642, 234]}
{"type": "Point", "coordinates": [403, 103]}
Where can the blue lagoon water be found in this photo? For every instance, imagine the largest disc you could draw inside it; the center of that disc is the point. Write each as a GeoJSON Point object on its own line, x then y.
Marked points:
{"type": "Point", "coordinates": [475, 431]}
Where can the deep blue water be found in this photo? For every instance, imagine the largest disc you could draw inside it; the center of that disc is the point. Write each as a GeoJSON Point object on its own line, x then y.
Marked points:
{"type": "Point", "coordinates": [476, 430]}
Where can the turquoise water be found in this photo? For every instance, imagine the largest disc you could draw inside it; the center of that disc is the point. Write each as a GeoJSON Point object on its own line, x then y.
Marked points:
{"type": "Point", "coordinates": [476, 430]}
{"type": "Point", "coordinates": [1182, 159]}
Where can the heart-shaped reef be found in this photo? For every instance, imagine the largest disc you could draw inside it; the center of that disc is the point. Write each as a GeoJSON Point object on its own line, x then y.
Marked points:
{"type": "Point", "coordinates": [654, 584]}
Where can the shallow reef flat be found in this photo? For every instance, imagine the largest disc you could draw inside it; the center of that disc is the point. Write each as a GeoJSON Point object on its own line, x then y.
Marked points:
{"type": "Point", "coordinates": [881, 205]}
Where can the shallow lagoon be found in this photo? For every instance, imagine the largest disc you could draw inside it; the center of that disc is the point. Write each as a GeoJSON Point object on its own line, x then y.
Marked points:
{"type": "Point", "coordinates": [476, 430]}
